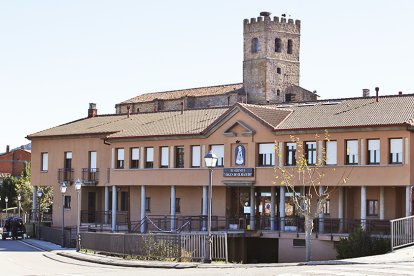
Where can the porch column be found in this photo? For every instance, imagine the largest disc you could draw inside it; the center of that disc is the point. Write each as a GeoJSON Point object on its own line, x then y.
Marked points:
{"type": "Point", "coordinates": [341, 208]}
{"type": "Point", "coordinates": [252, 207]}
{"type": "Point", "coordinates": [143, 213]}
{"type": "Point", "coordinates": [204, 211]}
{"type": "Point", "coordinates": [407, 200]}
{"type": "Point", "coordinates": [172, 207]}
{"type": "Point", "coordinates": [272, 208]}
{"type": "Point", "coordinates": [382, 203]}
{"type": "Point", "coordinates": [321, 214]}
{"type": "Point", "coordinates": [34, 200]}
{"type": "Point", "coordinates": [114, 204]}
{"type": "Point", "coordinates": [282, 208]}
{"type": "Point", "coordinates": [363, 207]}
{"type": "Point", "coordinates": [106, 213]}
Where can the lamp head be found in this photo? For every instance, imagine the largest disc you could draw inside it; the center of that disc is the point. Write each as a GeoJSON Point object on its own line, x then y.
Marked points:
{"type": "Point", "coordinates": [39, 193]}
{"type": "Point", "coordinates": [210, 159]}
{"type": "Point", "coordinates": [6, 199]}
{"type": "Point", "coordinates": [78, 184]}
{"type": "Point", "coordinates": [19, 197]}
{"type": "Point", "coordinates": [63, 188]}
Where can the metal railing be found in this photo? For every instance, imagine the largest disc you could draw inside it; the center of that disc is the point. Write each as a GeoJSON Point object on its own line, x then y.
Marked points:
{"type": "Point", "coordinates": [402, 232]}
{"type": "Point", "coordinates": [90, 176]}
{"type": "Point", "coordinates": [179, 247]}
{"type": "Point", "coordinates": [65, 175]}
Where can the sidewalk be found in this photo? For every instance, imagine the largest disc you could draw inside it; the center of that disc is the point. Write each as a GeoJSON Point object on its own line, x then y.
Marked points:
{"type": "Point", "coordinates": [400, 256]}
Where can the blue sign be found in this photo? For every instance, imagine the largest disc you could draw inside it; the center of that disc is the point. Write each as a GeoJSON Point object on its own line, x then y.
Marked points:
{"type": "Point", "coordinates": [240, 155]}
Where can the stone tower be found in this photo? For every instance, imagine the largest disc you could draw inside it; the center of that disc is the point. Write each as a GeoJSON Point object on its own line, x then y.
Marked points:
{"type": "Point", "coordinates": [271, 60]}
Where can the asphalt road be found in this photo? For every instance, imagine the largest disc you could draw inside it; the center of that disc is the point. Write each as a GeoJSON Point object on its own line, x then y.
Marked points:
{"type": "Point", "coordinates": [18, 258]}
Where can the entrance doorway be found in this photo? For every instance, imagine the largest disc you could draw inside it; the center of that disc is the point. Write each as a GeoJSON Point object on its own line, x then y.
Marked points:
{"type": "Point", "coordinates": [91, 207]}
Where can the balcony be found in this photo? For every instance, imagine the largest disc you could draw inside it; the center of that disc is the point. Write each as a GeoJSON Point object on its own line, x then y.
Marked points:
{"type": "Point", "coordinates": [65, 175]}
{"type": "Point", "coordinates": [90, 176]}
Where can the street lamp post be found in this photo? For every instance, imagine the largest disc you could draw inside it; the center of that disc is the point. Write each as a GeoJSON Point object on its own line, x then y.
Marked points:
{"type": "Point", "coordinates": [78, 185]}
{"type": "Point", "coordinates": [19, 197]}
{"type": "Point", "coordinates": [7, 201]}
{"type": "Point", "coordinates": [211, 161]}
{"type": "Point", "coordinates": [63, 191]}
{"type": "Point", "coordinates": [39, 195]}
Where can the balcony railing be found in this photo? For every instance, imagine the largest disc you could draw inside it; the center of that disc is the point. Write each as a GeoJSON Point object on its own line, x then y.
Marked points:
{"type": "Point", "coordinates": [90, 176]}
{"type": "Point", "coordinates": [65, 175]}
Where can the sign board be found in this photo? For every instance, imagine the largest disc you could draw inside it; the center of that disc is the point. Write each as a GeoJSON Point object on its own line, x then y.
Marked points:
{"type": "Point", "coordinates": [238, 172]}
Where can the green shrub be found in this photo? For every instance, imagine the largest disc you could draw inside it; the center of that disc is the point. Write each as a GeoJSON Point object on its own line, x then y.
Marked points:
{"type": "Point", "coordinates": [360, 243]}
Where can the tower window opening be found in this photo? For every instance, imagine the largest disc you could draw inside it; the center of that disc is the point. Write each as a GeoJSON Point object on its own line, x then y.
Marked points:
{"type": "Point", "coordinates": [278, 92]}
{"type": "Point", "coordinates": [290, 97]}
{"type": "Point", "coordinates": [278, 45]}
{"type": "Point", "coordinates": [255, 45]}
{"type": "Point", "coordinates": [278, 70]}
{"type": "Point", "coordinates": [290, 46]}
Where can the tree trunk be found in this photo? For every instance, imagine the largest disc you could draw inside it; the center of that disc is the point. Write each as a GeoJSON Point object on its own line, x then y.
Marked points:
{"type": "Point", "coordinates": [308, 236]}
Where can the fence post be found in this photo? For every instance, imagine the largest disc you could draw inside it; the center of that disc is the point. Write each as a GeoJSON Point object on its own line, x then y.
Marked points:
{"type": "Point", "coordinates": [392, 236]}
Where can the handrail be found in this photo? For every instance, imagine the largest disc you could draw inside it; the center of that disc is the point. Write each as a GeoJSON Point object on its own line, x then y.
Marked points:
{"type": "Point", "coordinates": [402, 232]}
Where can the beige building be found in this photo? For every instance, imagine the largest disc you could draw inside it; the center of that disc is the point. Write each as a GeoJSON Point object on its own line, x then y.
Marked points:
{"type": "Point", "coordinates": [147, 164]}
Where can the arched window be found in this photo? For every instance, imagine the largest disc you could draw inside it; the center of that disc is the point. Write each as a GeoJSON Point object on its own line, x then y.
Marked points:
{"type": "Point", "coordinates": [290, 46]}
{"type": "Point", "coordinates": [255, 45]}
{"type": "Point", "coordinates": [278, 45]}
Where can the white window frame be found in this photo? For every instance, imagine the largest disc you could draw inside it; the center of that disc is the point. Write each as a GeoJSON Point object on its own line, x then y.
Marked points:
{"type": "Point", "coordinates": [164, 157]}
{"type": "Point", "coordinates": [149, 157]}
{"type": "Point", "coordinates": [45, 162]}
{"type": "Point", "coordinates": [135, 155]}
{"type": "Point", "coordinates": [374, 153]}
{"type": "Point", "coordinates": [331, 152]}
{"type": "Point", "coordinates": [352, 152]}
{"type": "Point", "coordinates": [266, 154]}
{"type": "Point", "coordinates": [396, 149]}
{"type": "Point", "coordinates": [290, 159]}
{"type": "Point", "coordinates": [310, 148]}
{"type": "Point", "coordinates": [218, 150]}
{"type": "Point", "coordinates": [120, 156]}
{"type": "Point", "coordinates": [195, 156]}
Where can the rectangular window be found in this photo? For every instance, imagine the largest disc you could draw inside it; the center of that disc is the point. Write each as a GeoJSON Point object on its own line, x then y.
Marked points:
{"type": "Point", "coordinates": [372, 207]}
{"type": "Point", "coordinates": [396, 151]}
{"type": "Point", "coordinates": [351, 152]}
{"type": "Point", "coordinates": [218, 150]}
{"type": "Point", "coordinates": [124, 201]}
{"type": "Point", "coordinates": [149, 157]}
{"type": "Point", "coordinates": [266, 155]}
{"type": "Point", "coordinates": [164, 157]}
{"type": "Point", "coordinates": [179, 157]}
{"type": "Point", "coordinates": [134, 162]}
{"type": "Point", "coordinates": [327, 207]}
{"type": "Point", "coordinates": [331, 153]}
{"type": "Point", "coordinates": [67, 202]}
{"type": "Point", "coordinates": [195, 156]}
{"type": "Point", "coordinates": [290, 154]}
{"type": "Point", "coordinates": [310, 153]}
{"type": "Point", "coordinates": [92, 161]}
{"type": "Point", "coordinates": [68, 160]}
{"type": "Point", "coordinates": [44, 167]}
{"type": "Point", "coordinates": [148, 204]}
{"type": "Point", "coordinates": [373, 151]}
{"type": "Point", "coordinates": [120, 158]}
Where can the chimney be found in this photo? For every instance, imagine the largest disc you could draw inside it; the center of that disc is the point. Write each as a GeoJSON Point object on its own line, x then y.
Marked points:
{"type": "Point", "coordinates": [376, 92]}
{"type": "Point", "coordinates": [129, 110]}
{"type": "Point", "coordinates": [182, 107]}
{"type": "Point", "coordinates": [8, 148]}
{"type": "Point", "coordinates": [400, 93]}
{"type": "Point", "coordinates": [92, 111]}
{"type": "Point", "coordinates": [365, 93]}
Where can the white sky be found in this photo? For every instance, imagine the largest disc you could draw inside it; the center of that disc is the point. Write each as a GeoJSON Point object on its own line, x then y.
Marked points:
{"type": "Point", "coordinates": [58, 56]}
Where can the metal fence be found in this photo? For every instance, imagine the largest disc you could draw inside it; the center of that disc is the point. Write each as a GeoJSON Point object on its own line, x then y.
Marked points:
{"type": "Point", "coordinates": [179, 247]}
{"type": "Point", "coordinates": [402, 232]}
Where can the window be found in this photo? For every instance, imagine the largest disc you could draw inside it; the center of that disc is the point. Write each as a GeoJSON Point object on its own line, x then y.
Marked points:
{"type": "Point", "coordinates": [124, 201]}
{"type": "Point", "coordinates": [327, 207]}
{"type": "Point", "coordinates": [351, 152]}
{"type": "Point", "coordinates": [68, 160]}
{"type": "Point", "coordinates": [310, 153]}
{"type": "Point", "coordinates": [149, 157]}
{"type": "Point", "coordinates": [255, 45]}
{"type": "Point", "coordinates": [396, 151]}
{"type": "Point", "coordinates": [177, 205]}
{"type": "Point", "coordinates": [372, 207]}
{"type": "Point", "coordinates": [330, 155]}
{"type": "Point", "coordinates": [278, 92]}
{"type": "Point", "coordinates": [290, 154]}
{"type": "Point", "coordinates": [67, 202]}
{"type": "Point", "coordinates": [266, 154]}
{"type": "Point", "coordinates": [290, 97]}
{"type": "Point", "coordinates": [218, 150]}
{"type": "Point", "coordinates": [278, 70]}
{"type": "Point", "coordinates": [179, 157]}
{"type": "Point", "coordinates": [373, 151]}
{"type": "Point", "coordinates": [44, 162]}
{"type": "Point", "coordinates": [134, 163]}
{"type": "Point", "coordinates": [92, 161]}
{"type": "Point", "coordinates": [278, 45]}
{"type": "Point", "coordinates": [164, 157]}
{"type": "Point", "coordinates": [148, 204]}
{"type": "Point", "coordinates": [119, 158]}
{"type": "Point", "coordinates": [290, 46]}
{"type": "Point", "coordinates": [195, 156]}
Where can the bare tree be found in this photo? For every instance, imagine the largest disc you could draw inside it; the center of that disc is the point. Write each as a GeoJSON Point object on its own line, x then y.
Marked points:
{"type": "Point", "coordinates": [304, 181]}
